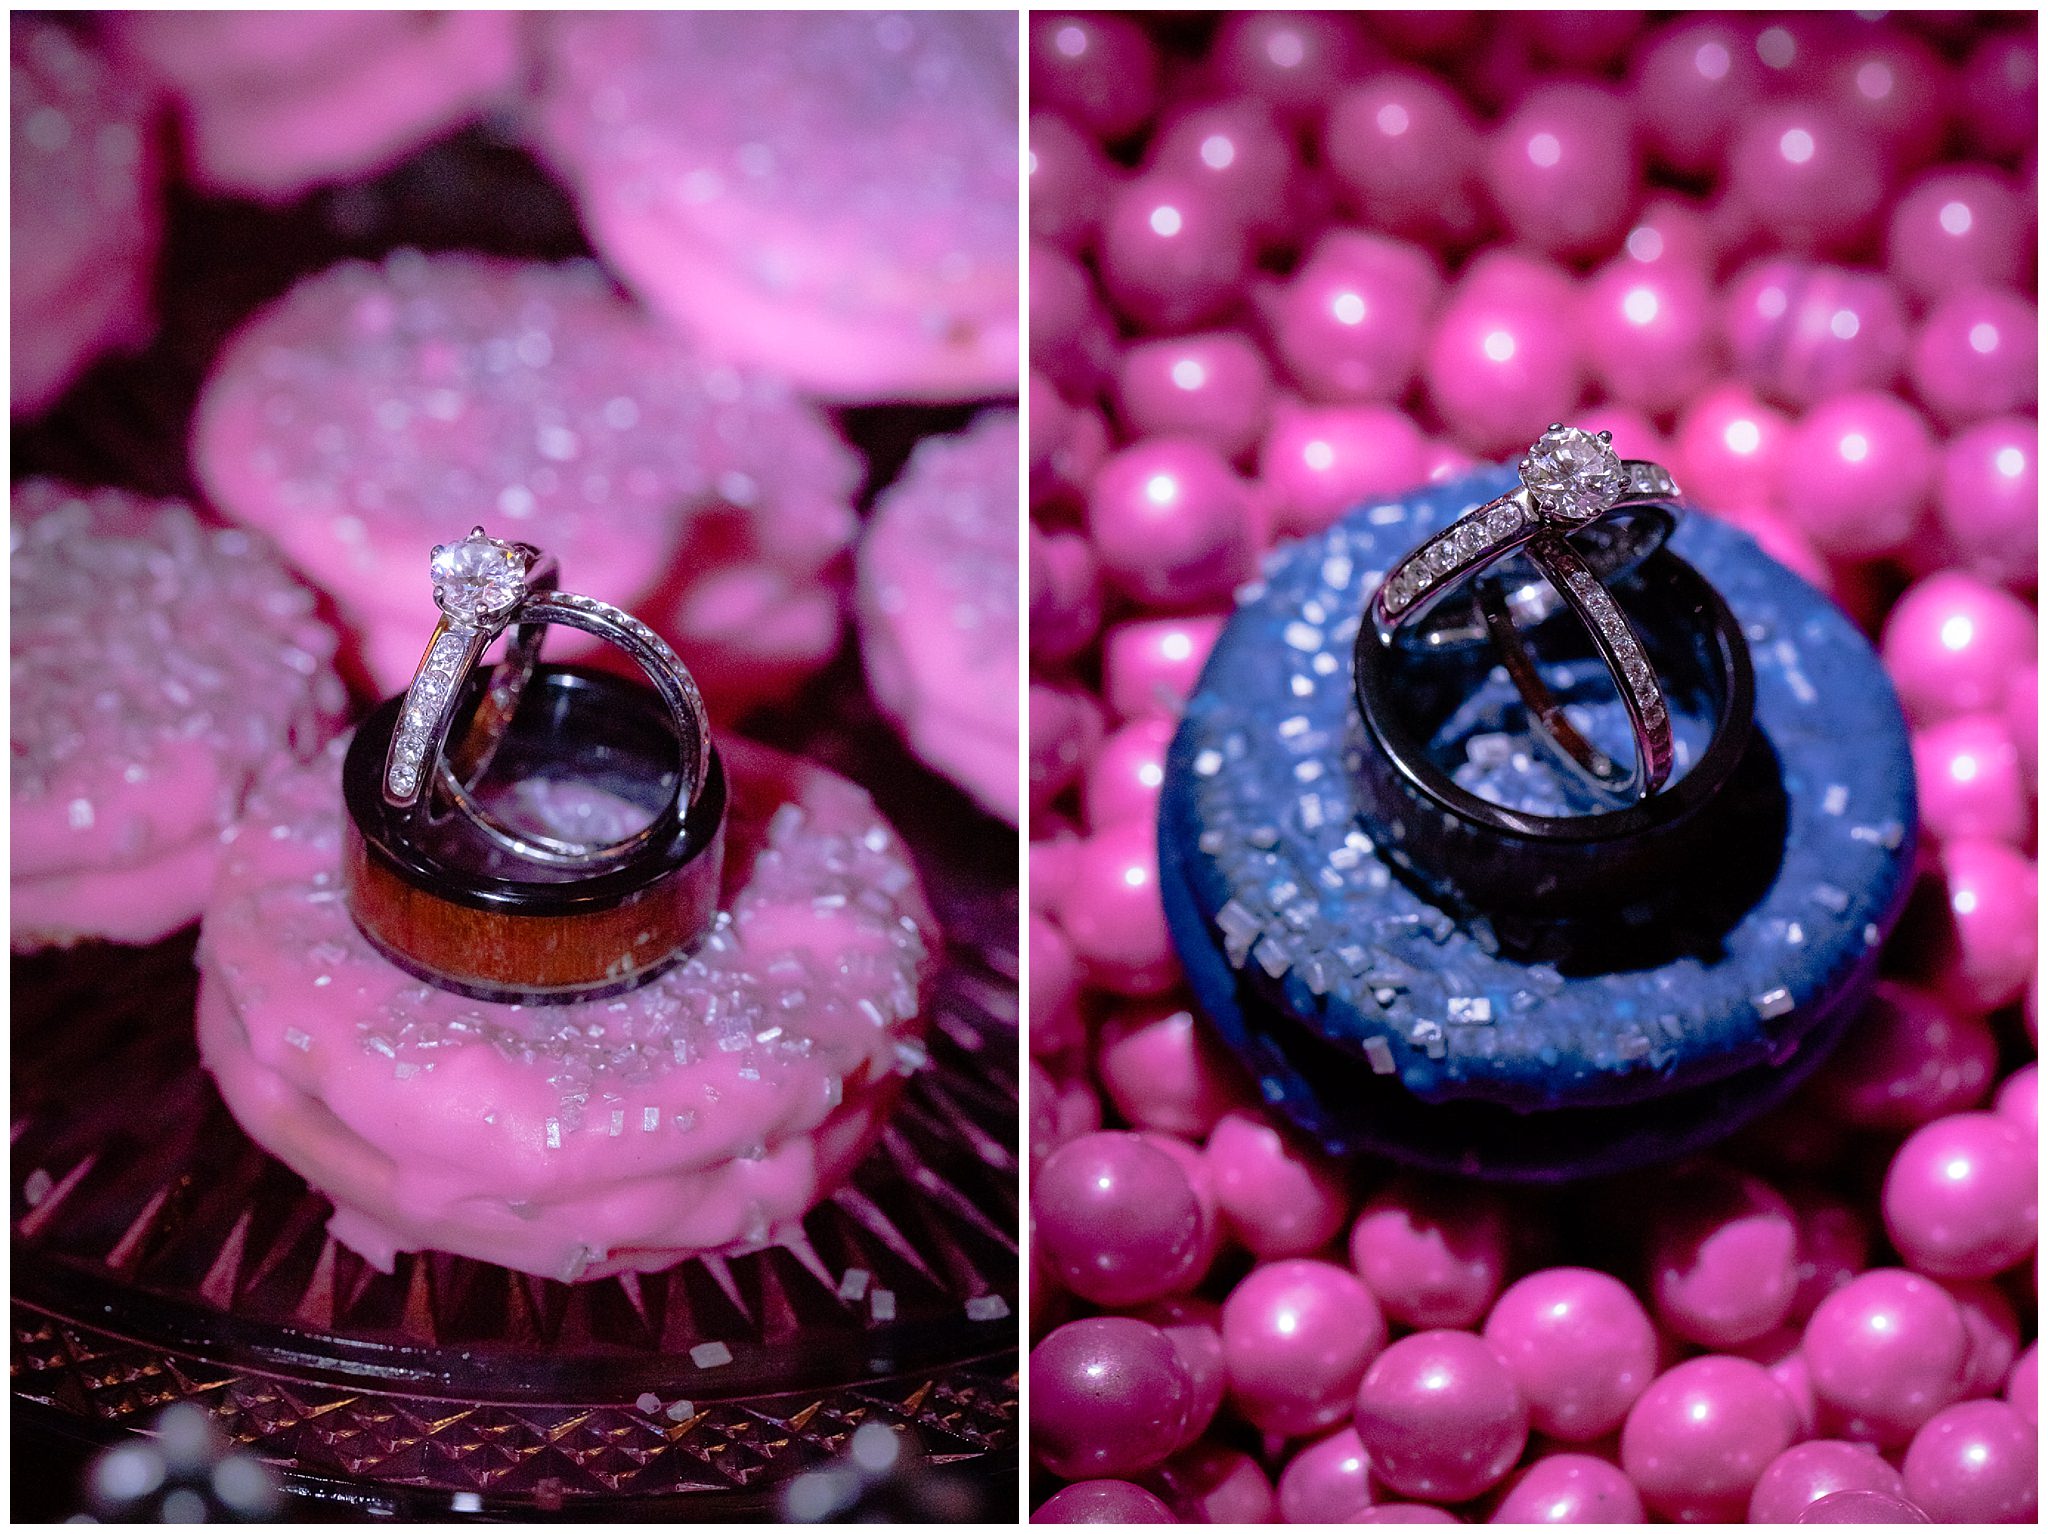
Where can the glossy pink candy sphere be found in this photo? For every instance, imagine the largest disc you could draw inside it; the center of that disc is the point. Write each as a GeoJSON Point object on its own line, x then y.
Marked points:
{"type": "Point", "coordinates": [1976, 355]}
{"type": "Point", "coordinates": [1066, 726]}
{"type": "Point", "coordinates": [1173, 253]}
{"type": "Point", "coordinates": [1689, 85]}
{"type": "Point", "coordinates": [1951, 642]}
{"type": "Point", "coordinates": [1697, 1441]}
{"type": "Point", "coordinates": [1984, 945]}
{"type": "Point", "coordinates": [1730, 449]}
{"type": "Point", "coordinates": [1579, 1346]}
{"type": "Point", "coordinates": [1862, 1507]}
{"type": "Point", "coordinates": [1563, 169]}
{"type": "Point", "coordinates": [1911, 1058]}
{"type": "Point", "coordinates": [1402, 1512]}
{"type": "Point", "coordinates": [1238, 150]}
{"type": "Point", "coordinates": [1889, 85]}
{"type": "Point", "coordinates": [1110, 912]}
{"type": "Point", "coordinates": [1149, 665]}
{"type": "Point", "coordinates": [1279, 1198]}
{"type": "Point", "coordinates": [2019, 1098]}
{"type": "Point", "coordinates": [1506, 352]}
{"type": "Point", "coordinates": [1440, 1417]}
{"type": "Point", "coordinates": [1834, 1246]}
{"type": "Point", "coordinates": [1102, 1501]}
{"type": "Point", "coordinates": [1806, 1472]}
{"type": "Point", "coordinates": [1405, 151]}
{"type": "Point", "coordinates": [1724, 1256]}
{"type": "Point", "coordinates": [1885, 1352]}
{"type": "Point", "coordinates": [1101, 71]}
{"type": "Point", "coordinates": [1649, 333]}
{"type": "Point", "coordinates": [1806, 177]}
{"type": "Point", "coordinates": [1109, 1397]}
{"type": "Point", "coordinates": [1977, 1462]}
{"type": "Point", "coordinates": [1318, 461]}
{"type": "Point", "coordinates": [2023, 1385]}
{"type": "Point", "coordinates": [1351, 322]}
{"type": "Point", "coordinates": [1998, 99]}
{"type": "Point", "coordinates": [1214, 386]}
{"type": "Point", "coordinates": [1212, 1483]}
{"type": "Point", "coordinates": [1066, 594]}
{"type": "Point", "coordinates": [1431, 1251]}
{"type": "Point", "coordinates": [1195, 1328]}
{"type": "Point", "coordinates": [1056, 1024]}
{"type": "Point", "coordinates": [1070, 180]}
{"type": "Point", "coordinates": [1959, 1199]}
{"type": "Point", "coordinates": [1987, 498]}
{"type": "Point", "coordinates": [1326, 1482]}
{"type": "Point", "coordinates": [1859, 473]}
{"type": "Point", "coordinates": [1172, 524]}
{"type": "Point", "coordinates": [1958, 227]}
{"type": "Point", "coordinates": [1970, 782]}
{"type": "Point", "coordinates": [1580, 39]}
{"type": "Point", "coordinates": [1073, 342]}
{"type": "Point", "coordinates": [1297, 1337]}
{"type": "Point", "coordinates": [1800, 331]}
{"type": "Point", "coordinates": [1992, 1331]}
{"type": "Point", "coordinates": [1122, 781]}
{"type": "Point", "coordinates": [1163, 1070]}
{"type": "Point", "coordinates": [1118, 1219]}
{"type": "Point", "coordinates": [1570, 1488]}
{"type": "Point", "coordinates": [1295, 60]}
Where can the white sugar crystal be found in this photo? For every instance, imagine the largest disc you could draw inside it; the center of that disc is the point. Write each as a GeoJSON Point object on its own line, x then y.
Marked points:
{"type": "Point", "coordinates": [882, 1304]}
{"type": "Point", "coordinates": [853, 1283]}
{"type": "Point", "coordinates": [710, 1355]}
{"type": "Point", "coordinates": [987, 1307]}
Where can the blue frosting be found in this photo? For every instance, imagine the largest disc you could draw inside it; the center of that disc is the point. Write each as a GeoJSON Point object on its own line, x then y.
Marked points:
{"type": "Point", "coordinates": [1280, 878]}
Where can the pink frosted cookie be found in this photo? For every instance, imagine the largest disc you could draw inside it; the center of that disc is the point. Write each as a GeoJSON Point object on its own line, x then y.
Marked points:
{"type": "Point", "coordinates": [832, 195]}
{"type": "Point", "coordinates": [158, 667]}
{"type": "Point", "coordinates": [86, 215]}
{"type": "Point", "coordinates": [276, 102]}
{"type": "Point", "coordinates": [376, 410]}
{"type": "Point", "coordinates": [704, 1112]}
{"type": "Point", "coordinates": [938, 607]}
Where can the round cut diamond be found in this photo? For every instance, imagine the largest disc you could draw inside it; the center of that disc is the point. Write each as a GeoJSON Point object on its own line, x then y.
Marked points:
{"type": "Point", "coordinates": [478, 578]}
{"type": "Point", "coordinates": [1573, 474]}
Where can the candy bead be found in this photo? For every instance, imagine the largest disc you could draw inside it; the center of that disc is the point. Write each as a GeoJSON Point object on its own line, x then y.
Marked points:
{"type": "Point", "coordinates": [1326, 1482]}
{"type": "Point", "coordinates": [1504, 353]}
{"type": "Point", "coordinates": [1295, 60]}
{"type": "Point", "coordinates": [1951, 643]}
{"type": "Point", "coordinates": [1983, 943]}
{"type": "Point", "coordinates": [1162, 1069]}
{"type": "Point", "coordinates": [1122, 782]}
{"type": "Point", "coordinates": [1215, 387]}
{"type": "Point", "coordinates": [1730, 448]}
{"type": "Point", "coordinates": [1805, 176]}
{"type": "Point", "coordinates": [1118, 1219]}
{"type": "Point", "coordinates": [1318, 462]}
{"type": "Point", "coordinates": [1432, 1252]}
{"type": "Point", "coordinates": [1579, 1346]}
{"type": "Point", "coordinates": [1975, 355]}
{"type": "Point", "coordinates": [1111, 912]}
{"type": "Point", "coordinates": [1351, 323]}
{"type": "Point", "coordinates": [1149, 666]}
{"type": "Point", "coordinates": [1991, 1332]}
{"type": "Point", "coordinates": [1055, 988]}
{"type": "Point", "coordinates": [1563, 169]}
{"type": "Point", "coordinates": [1173, 253]}
{"type": "Point", "coordinates": [1997, 100]}
{"type": "Point", "coordinates": [2023, 1385]}
{"type": "Point", "coordinates": [1440, 1417]}
{"type": "Point", "coordinates": [1066, 726]}
{"type": "Point", "coordinates": [1700, 1437]}
{"type": "Point", "coordinates": [1968, 772]}
{"type": "Point", "coordinates": [1109, 1397]}
{"type": "Point", "coordinates": [1800, 331]}
{"type": "Point", "coordinates": [1067, 446]}
{"type": "Point", "coordinates": [1066, 595]}
{"type": "Point", "coordinates": [1958, 227]}
{"type": "Point", "coordinates": [1959, 1199]}
{"type": "Point", "coordinates": [1100, 71]}
{"type": "Point", "coordinates": [1238, 151]}
{"type": "Point", "coordinates": [1402, 1512]}
{"type": "Point", "coordinates": [2019, 1099]}
{"type": "Point", "coordinates": [1795, 48]}
{"type": "Point", "coordinates": [1297, 1337]}
{"type": "Point", "coordinates": [1570, 1488]}
{"type": "Point", "coordinates": [1209, 1483]}
{"type": "Point", "coordinates": [1976, 1462]}
{"type": "Point", "coordinates": [1912, 1058]}
{"type": "Point", "coordinates": [1689, 84]}
{"type": "Point", "coordinates": [1070, 181]}
{"type": "Point", "coordinates": [1723, 1257]}
{"type": "Point", "coordinates": [1405, 152]}
{"type": "Point", "coordinates": [1279, 1198]}
{"type": "Point", "coordinates": [1806, 1472]}
{"type": "Point", "coordinates": [1987, 500]}
{"type": "Point", "coordinates": [1440, 35]}
{"type": "Point", "coordinates": [1580, 39]}
{"type": "Point", "coordinates": [1834, 1246]}
{"type": "Point", "coordinates": [1102, 1501]}
{"type": "Point", "coordinates": [1862, 1507]}
{"type": "Point", "coordinates": [1858, 473]}
{"type": "Point", "coordinates": [1886, 1352]}
{"type": "Point", "coordinates": [1891, 86]}
{"type": "Point", "coordinates": [1649, 337]}
{"type": "Point", "coordinates": [1072, 340]}
{"type": "Point", "coordinates": [1195, 1328]}
{"type": "Point", "coordinates": [1172, 524]}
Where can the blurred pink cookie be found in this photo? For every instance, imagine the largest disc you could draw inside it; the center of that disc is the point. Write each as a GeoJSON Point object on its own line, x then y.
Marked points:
{"type": "Point", "coordinates": [86, 216]}
{"type": "Point", "coordinates": [158, 667]}
{"type": "Point", "coordinates": [376, 410]}
{"type": "Point", "coordinates": [274, 102]}
{"type": "Point", "coordinates": [938, 607]}
{"type": "Point", "coordinates": [832, 195]}
{"type": "Point", "coordinates": [704, 1112]}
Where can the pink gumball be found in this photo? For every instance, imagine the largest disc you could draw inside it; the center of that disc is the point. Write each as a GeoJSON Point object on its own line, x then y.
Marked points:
{"type": "Point", "coordinates": [1724, 1251]}
{"type": "Point", "coordinates": [1977, 1462]}
{"type": "Point", "coordinates": [1432, 1252]}
{"type": "Point", "coordinates": [1172, 524]}
{"type": "Point", "coordinates": [1066, 726]}
{"type": "Point", "coordinates": [1238, 150]}
{"type": "Point", "coordinates": [1505, 353]}
{"type": "Point", "coordinates": [1690, 84]}
{"type": "Point", "coordinates": [1698, 1440]}
{"type": "Point", "coordinates": [1072, 340]}
{"type": "Point", "coordinates": [1100, 71]}
{"type": "Point", "coordinates": [1858, 474]}
{"type": "Point", "coordinates": [1581, 39]}
{"type": "Point", "coordinates": [1122, 782]}
{"type": "Point", "coordinates": [1327, 1481]}
{"type": "Point", "coordinates": [1118, 1219]}
{"type": "Point", "coordinates": [1070, 181]}
{"type": "Point", "coordinates": [1952, 642]}
{"type": "Point", "coordinates": [1893, 88]}
{"type": "Point", "coordinates": [1173, 254]}
{"type": "Point", "coordinates": [1279, 1198]}
{"type": "Point", "coordinates": [1834, 1246]}
{"type": "Point", "coordinates": [1987, 497]}
{"type": "Point", "coordinates": [1563, 169]}
{"type": "Point", "coordinates": [1351, 323]}
{"type": "Point", "coordinates": [1208, 1483]}
{"type": "Point", "coordinates": [1149, 666]}
{"type": "Point", "coordinates": [1968, 771]}
{"type": "Point", "coordinates": [1982, 947]}
{"type": "Point", "coordinates": [1214, 387]}
{"type": "Point", "coordinates": [1109, 1397]}
{"type": "Point", "coordinates": [1579, 1346]}
{"type": "Point", "coordinates": [2019, 1098]}
{"type": "Point", "coordinates": [1862, 1507]}
{"type": "Point", "coordinates": [1796, 48]}
{"type": "Point", "coordinates": [1402, 1512]}
{"type": "Point", "coordinates": [1885, 1352]}
{"type": "Point", "coordinates": [1731, 449]}
{"type": "Point", "coordinates": [1649, 334]}
{"type": "Point", "coordinates": [1999, 92]}
{"type": "Point", "coordinates": [1056, 1024]}
{"type": "Point", "coordinates": [1163, 1070]}
{"type": "Point", "coordinates": [1297, 1337]}
{"type": "Point", "coordinates": [1111, 912]}
{"type": "Point", "coordinates": [1976, 355]}
{"type": "Point", "coordinates": [1958, 227]}
{"type": "Point", "coordinates": [1441, 35]}
{"type": "Point", "coordinates": [1991, 1332]}
{"type": "Point", "coordinates": [1102, 1501]}
{"type": "Point", "coordinates": [1800, 331]}
{"type": "Point", "coordinates": [1320, 461]}
{"type": "Point", "coordinates": [1959, 1199]}
{"type": "Point", "coordinates": [1912, 1058]}
{"type": "Point", "coordinates": [1440, 1417]}
{"type": "Point", "coordinates": [1806, 177]}
{"type": "Point", "coordinates": [1195, 1328]}
{"type": "Point", "coordinates": [1570, 1488]}
{"type": "Point", "coordinates": [1067, 446]}
{"type": "Point", "coordinates": [2023, 718]}
{"type": "Point", "coordinates": [1634, 434]}
{"type": "Point", "coordinates": [1671, 230]}
{"type": "Point", "coordinates": [1295, 60]}
{"type": "Point", "coordinates": [1806, 1472]}
{"type": "Point", "coordinates": [1405, 152]}
{"type": "Point", "coordinates": [2023, 1385]}
{"type": "Point", "coordinates": [1066, 595]}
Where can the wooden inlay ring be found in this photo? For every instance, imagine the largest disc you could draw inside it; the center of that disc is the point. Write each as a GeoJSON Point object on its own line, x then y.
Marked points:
{"type": "Point", "coordinates": [445, 904]}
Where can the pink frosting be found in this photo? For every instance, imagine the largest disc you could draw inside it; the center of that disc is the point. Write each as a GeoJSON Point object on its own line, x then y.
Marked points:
{"type": "Point", "coordinates": [704, 1112]}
